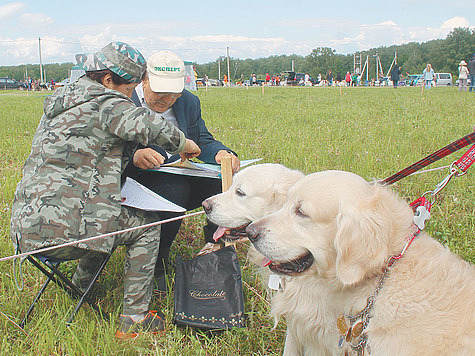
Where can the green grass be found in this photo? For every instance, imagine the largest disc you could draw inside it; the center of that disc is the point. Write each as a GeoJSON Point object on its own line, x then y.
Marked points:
{"type": "Point", "coordinates": [373, 132]}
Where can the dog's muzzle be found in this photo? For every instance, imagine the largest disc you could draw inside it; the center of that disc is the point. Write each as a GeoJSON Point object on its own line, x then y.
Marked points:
{"type": "Point", "coordinates": [291, 268]}
{"type": "Point", "coordinates": [253, 232]}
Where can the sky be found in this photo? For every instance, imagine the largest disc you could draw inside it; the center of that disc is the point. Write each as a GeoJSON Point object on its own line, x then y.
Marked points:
{"type": "Point", "coordinates": [202, 30]}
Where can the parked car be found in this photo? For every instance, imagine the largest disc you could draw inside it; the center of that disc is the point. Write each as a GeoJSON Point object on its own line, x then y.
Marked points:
{"type": "Point", "coordinates": [8, 83]}
{"type": "Point", "coordinates": [211, 82]}
{"type": "Point", "coordinates": [61, 83]}
{"type": "Point", "coordinates": [414, 79]}
{"type": "Point", "coordinates": [293, 78]}
{"type": "Point", "coordinates": [215, 82]}
{"type": "Point", "coordinates": [383, 81]}
{"type": "Point", "coordinates": [443, 79]}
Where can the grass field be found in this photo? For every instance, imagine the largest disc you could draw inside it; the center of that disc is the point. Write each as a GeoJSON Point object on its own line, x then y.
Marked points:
{"type": "Point", "coordinates": [373, 132]}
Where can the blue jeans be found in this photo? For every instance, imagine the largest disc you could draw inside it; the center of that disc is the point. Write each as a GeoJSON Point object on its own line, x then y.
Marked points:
{"type": "Point", "coordinates": [472, 83]}
{"type": "Point", "coordinates": [428, 83]}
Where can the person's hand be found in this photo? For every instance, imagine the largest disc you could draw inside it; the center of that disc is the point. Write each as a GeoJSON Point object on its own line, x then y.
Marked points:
{"type": "Point", "coordinates": [191, 150]}
{"type": "Point", "coordinates": [235, 163]}
{"type": "Point", "coordinates": [147, 158]}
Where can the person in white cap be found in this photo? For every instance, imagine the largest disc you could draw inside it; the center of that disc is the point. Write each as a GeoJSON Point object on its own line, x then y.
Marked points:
{"type": "Point", "coordinates": [463, 76]}
{"type": "Point", "coordinates": [162, 90]}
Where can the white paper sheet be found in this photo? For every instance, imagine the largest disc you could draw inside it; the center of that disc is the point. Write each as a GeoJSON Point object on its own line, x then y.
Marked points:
{"type": "Point", "coordinates": [137, 196]}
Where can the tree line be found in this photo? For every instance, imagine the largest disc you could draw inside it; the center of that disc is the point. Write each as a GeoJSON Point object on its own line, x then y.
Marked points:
{"type": "Point", "coordinates": [444, 55]}
{"type": "Point", "coordinates": [51, 70]}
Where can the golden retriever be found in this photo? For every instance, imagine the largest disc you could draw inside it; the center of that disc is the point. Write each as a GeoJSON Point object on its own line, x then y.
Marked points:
{"type": "Point", "coordinates": [255, 192]}
{"type": "Point", "coordinates": [334, 236]}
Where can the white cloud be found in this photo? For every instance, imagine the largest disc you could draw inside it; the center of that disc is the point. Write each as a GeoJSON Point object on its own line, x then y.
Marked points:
{"type": "Point", "coordinates": [368, 36]}
{"type": "Point", "coordinates": [430, 33]}
{"type": "Point", "coordinates": [11, 8]}
{"type": "Point", "coordinates": [233, 39]}
{"type": "Point", "coordinates": [26, 50]}
{"type": "Point", "coordinates": [201, 48]}
{"type": "Point", "coordinates": [195, 42]}
{"type": "Point", "coordinates": [31, 20]}
{"type": "Point", "coordinates": [92, 43]}
{"type": "Point", "coordinates": [387, 33]}
{"type": "Point", "coordinates": [23, 48]}
{"type": "Point", "coordinates": [455, 22]}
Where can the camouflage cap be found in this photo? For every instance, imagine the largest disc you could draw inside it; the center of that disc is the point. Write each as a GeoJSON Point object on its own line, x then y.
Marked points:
{"type": "Point", "coordinates": [120, 57]}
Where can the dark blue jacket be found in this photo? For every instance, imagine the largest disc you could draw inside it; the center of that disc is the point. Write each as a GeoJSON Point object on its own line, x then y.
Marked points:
{"type": "Point", "coordinates": [395, 73]}
{"type": "Point", "coordinates": [187, 111]}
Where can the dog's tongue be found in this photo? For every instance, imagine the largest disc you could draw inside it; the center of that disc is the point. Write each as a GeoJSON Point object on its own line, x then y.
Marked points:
{"type": "Point", "coordinates": [219, 233]}
{"type": "Point", "coordinates": [266, 262]}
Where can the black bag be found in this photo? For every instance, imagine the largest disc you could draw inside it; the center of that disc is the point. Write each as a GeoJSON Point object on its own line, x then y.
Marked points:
{"type": "Point", "coordinates": [208, 291]}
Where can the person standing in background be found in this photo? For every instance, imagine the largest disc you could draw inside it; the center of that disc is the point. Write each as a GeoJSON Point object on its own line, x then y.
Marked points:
{"type": "Point", "coordinates": [338, 78]}
{"type": "Point", "coordinates": [330, 78]}
{"type": "Point", "coordinates": [354, 79]}
{"type": "Point", "coordinates": [463, 75]}
{"type": "Point", "coordinates": [428, 76]}
{"type": "Point", "coordinates": [348, 79]}
{"type": "Point", "coordinates": [395, 73]}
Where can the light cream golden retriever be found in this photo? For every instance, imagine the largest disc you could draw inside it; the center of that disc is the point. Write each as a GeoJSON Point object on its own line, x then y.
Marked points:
{"type": "Point", "coordinates": [256, 191]}
{"type": "Point", "coordinates": [334, 236]}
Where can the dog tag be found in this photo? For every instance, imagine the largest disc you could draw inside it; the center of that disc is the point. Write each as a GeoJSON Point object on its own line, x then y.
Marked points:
{"type": "Point", "coordinates": [357, 329]}
{"type": "Point", "coordinates": [274, 282]}
{"type": "Point", "coordinates": [341, 324]}
{"type": "Point", "coordinates": [420, 216]}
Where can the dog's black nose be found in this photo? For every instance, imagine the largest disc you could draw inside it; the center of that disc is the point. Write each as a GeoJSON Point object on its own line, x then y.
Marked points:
{"type": "Point", "coordinates": [207, 206]}
{"type": "Point", "coordinates": [252, 232]}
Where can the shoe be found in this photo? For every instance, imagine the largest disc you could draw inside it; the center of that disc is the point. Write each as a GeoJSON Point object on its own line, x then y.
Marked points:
{"type": "Point", "coordinates": [153, 323]}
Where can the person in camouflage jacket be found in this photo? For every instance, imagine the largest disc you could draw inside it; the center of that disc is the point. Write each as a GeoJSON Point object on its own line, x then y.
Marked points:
{"type": "Point", "coordinates": [71, 181]}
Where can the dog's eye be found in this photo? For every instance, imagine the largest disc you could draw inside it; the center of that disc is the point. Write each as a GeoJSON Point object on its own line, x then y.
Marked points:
{"type": "Point", "coordinates": [240, 193]}
{"type": "Point", "coordinates": [299, 211]}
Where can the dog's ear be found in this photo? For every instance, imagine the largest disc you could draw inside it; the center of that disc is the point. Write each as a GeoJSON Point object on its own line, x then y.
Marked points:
{"type": "Point", "coordinates": [281, 186]}
{"type": "Point", "coordinates": [279, 196]}
{"type": "Point", "coordinates": [361, 241]}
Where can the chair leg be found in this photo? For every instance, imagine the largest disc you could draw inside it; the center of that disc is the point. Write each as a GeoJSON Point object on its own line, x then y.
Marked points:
{"type": "Point", "coordinates": [65, 283]}
{"type": "Point", "coordinates": [85, 295]}
{"type": "Point", "coordinates": [32, 306]}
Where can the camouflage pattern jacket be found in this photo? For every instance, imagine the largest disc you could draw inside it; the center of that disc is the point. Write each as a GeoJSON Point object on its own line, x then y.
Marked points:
{"type": "Point", "coordinates": [70, 188]}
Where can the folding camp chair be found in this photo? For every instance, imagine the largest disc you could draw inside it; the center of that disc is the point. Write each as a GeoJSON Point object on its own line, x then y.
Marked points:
{"type": "Point", "coordinates": [54, 274]}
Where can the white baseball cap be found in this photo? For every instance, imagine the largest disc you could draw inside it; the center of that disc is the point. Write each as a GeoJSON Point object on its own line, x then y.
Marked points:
{"type": "Point", "coordinates": [166, 72]}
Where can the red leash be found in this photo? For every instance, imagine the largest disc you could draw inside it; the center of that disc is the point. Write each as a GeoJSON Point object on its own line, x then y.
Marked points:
{"type": "Point", "coordinates": [422, 205]}
{"type": "Point", "coordinates": [466, 160]}
{"type": "Point", "coordinates": [462, 164]}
